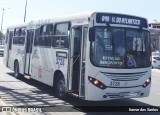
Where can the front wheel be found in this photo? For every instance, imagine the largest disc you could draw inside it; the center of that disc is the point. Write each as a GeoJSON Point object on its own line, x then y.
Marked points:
{"type": "Point", "coordinates": [60, 86]}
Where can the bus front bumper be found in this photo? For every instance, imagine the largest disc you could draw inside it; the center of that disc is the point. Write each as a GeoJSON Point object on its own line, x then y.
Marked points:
{"type": "Point", "coordinates": [116, 93]}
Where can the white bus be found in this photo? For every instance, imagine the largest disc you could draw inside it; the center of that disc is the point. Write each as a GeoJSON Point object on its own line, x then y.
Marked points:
{"type": "Point", "coordinates": [94, 56]}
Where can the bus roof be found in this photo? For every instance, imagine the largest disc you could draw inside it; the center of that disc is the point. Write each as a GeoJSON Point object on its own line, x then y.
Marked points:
{"type": "Point", "coordinates": [83, 15]}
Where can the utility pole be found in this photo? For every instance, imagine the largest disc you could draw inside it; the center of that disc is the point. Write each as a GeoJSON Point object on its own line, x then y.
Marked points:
{"type": "Point", "coordinates": [2, 18]}
{"type": "Point", "coordinates": [25, 11]}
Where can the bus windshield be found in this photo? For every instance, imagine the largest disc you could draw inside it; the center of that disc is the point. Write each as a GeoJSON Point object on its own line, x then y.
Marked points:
{"type": "Point", "coordinates": [120, 47]}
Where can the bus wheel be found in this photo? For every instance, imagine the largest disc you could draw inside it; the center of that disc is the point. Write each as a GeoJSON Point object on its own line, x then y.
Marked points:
{"type": "Point", "coordinates": [16, 70]}
{"type": "Point", "coordinates": [60, 86]}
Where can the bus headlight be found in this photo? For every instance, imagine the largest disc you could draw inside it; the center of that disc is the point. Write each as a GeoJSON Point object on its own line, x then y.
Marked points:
{"type": "Point", "coordinates": [147, 82]}
{"type": "Point", "coordinates": [97, 83]}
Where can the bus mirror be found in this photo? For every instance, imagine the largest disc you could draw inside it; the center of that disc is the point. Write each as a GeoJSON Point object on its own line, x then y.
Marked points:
{"type": "Point", "coordinates": [91, 34]}
{"type": "Point", "coordinates": [140, 29]}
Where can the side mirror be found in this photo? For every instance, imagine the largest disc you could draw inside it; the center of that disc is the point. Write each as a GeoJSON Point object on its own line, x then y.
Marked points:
{"type": "Point", "coordinates": [91, 34]}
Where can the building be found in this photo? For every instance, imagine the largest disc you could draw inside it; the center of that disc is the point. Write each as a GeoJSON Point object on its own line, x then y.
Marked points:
{"type": "Point", "coordinates": [154, 25]}
{"type": "Point", "coordinates": [154, 29]}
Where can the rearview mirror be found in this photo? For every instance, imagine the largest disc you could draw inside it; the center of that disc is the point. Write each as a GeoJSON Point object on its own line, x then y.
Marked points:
{"type": "Point", "coordinates": [92, 34]}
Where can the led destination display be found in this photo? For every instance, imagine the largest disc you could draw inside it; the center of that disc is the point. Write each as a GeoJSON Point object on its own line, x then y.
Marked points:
{"type": "Point", "coordinates": [121, 19]}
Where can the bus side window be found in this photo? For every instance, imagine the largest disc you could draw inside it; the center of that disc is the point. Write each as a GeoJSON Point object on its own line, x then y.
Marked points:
{"type": "Point", "coordinates": [60, 38]}
{"type": "Point", "coordinates": [44, 39]}
{"type": "Point", "coordinates": [17, 32]}
{"type": "Point", "coordinates": [49, 29]}
{"type": "Point", "coordinates": [36, 39]}
{"type": "Point", "coordinates": [23, 32]}
{"type": "Point", "coordinates": [22, 36]}
{"type": "Point", "coordinates": [16, 36]}
{"type": "Point", "coordinates": [43, 30]}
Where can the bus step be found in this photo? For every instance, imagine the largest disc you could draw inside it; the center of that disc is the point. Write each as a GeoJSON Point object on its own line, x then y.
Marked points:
{"type": "Point", "coordinates": [75, 94]}
{"type": "Point", "coordinates": [27, 76]}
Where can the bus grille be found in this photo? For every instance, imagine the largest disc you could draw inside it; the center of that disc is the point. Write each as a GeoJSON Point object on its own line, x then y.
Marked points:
{"type": "Point", "coordinates": [124, 76]}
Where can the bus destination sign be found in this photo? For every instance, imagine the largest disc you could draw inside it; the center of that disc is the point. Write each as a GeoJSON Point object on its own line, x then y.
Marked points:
{"type": "Point", "coordinates": [121, 19]}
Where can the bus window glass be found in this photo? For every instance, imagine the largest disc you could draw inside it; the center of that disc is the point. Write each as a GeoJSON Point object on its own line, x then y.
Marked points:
{"type": "Point", "coordinates": [60, 39]}
{"type": "Point", "coordinates": [107, 49]}
{"type": "Point", "coordinates": [21, 40]}
{"type": "Point", "coordinates": [122, 48]}
{"type": "Point", "coordinates": [61, 29]}
{"type": "Point", "coordinates": [23, 32]}
{"type": "Point", "coordinates": [137, 47]}
{"type": "Point", "coordinates": [15, 40]}
{"type": "Point", "coordinates": [17, 32]}
{"type": "Point", "coordinates": [43, 30]}
{"type": "Point", "coordinates": [45, 41]}
{"type": "Point", "coordinates": [36, 39]}
{"type": "Point", "coordinates": [49, 29]}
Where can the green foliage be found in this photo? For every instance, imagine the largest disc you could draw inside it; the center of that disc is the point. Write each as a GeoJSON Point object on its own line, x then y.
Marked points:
{"type": "Point", "coordinates": [1, 35]}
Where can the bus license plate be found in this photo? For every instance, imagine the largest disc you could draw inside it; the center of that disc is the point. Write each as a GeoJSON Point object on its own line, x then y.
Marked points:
{"type": "Point", "coordinates": [114, 83]}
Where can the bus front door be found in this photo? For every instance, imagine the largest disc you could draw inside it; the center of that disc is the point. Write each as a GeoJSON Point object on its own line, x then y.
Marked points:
{"type": "Point", "coordinates": [76, 79]}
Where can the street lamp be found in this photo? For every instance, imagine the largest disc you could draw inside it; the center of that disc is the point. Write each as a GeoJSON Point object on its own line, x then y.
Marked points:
{"type": "Point", "coordinates": [2, 16]}
{"type": "Point", "coordinates": [25, 11]}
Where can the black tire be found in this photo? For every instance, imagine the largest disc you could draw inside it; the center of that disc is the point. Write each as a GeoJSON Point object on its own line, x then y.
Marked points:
{"type": "Point", "coordinates": [60, 87]}
{"type": "Point", "coordinates": [16, 70]}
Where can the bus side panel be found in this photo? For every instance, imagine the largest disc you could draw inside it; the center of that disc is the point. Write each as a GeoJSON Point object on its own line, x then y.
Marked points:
{"type": "Point", "coordinates": [61, 62]}
{"type": "Point", "coordinates": [35, 63]}
{"type": "Point", "coordinates": [41, 61]}
{"type": "Point", "coordinates": [44, 63]}
{"type": "Point", "coordinates": [18, 54]}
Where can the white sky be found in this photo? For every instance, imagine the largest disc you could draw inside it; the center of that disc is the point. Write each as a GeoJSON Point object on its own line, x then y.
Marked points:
{"type": "Point", "coordinates": [42, 9]}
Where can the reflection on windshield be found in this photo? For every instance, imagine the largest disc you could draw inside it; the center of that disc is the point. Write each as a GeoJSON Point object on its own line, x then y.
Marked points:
{"type": "Point", "coordinates": [117, 47]}
{"type": "Point", "coordinates": [1, 47]}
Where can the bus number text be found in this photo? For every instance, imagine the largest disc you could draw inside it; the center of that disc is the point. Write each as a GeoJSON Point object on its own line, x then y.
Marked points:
{"type": "Point", "coordinates": [114, 83]}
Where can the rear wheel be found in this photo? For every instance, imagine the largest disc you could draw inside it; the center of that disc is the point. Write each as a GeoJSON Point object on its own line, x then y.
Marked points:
{"type": "Point", "coordinates": [60, 86]}
{"type": "Point", "coordinates": [16, 70]}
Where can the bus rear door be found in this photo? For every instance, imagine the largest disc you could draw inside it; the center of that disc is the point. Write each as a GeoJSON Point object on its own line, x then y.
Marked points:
{"type": "Point", "coordinates": [9, 49]}
{"type": "Point", "coordinates": [30, 34]}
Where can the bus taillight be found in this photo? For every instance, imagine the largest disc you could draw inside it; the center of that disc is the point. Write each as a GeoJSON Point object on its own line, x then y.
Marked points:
{"type": "Point", "coordinates": [97, 83]}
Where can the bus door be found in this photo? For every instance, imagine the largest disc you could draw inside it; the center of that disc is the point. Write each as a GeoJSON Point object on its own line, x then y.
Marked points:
{"type": "Point", "coordinates": [8, 57]}
{"type": "Point", "coordinates": [30, 34]}
{"type": "Point", "coordinates": [76, 54]}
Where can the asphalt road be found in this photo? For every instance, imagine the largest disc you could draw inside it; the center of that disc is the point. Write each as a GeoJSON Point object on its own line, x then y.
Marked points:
{"type": "Point", "coordinates": [30, 93]}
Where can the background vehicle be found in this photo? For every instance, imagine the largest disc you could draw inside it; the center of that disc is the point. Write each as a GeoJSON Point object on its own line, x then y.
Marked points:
{"type": "Point", "coordinates": [94, 56]}
{"type": "Point", "coordinates": [156, 59]}
{"type": "Point", "coordinates": [1, 50]}
{"type": "Point", "coordinates": [156, 54]}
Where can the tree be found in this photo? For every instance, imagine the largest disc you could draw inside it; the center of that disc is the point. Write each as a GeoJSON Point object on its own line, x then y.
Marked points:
{"type": "Point", "coordinates": [1, 38]}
